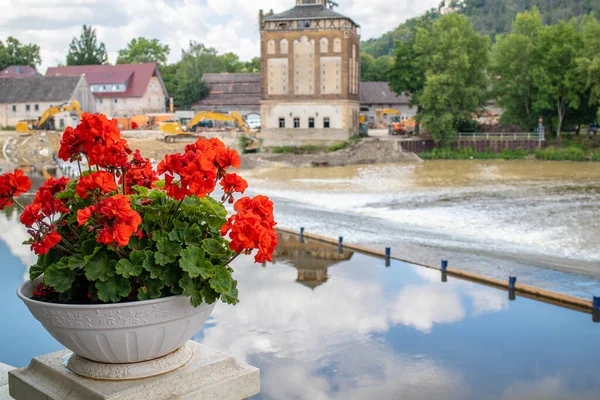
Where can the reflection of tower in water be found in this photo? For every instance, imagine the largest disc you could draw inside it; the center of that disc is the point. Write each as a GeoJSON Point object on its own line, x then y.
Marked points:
{"type": "Point", "coordinates": [311, 258]}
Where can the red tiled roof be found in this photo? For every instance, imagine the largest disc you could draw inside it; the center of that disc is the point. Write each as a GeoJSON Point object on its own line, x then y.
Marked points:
{"type": "Point", "coordinates": [97, 74]}
{"type": "Point", "coordinates": [19, 71]}
{"type": "Point", "coordinates": [107, 77]}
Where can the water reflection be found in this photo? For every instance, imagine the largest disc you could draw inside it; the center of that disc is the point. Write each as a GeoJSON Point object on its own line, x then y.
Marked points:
{"type": "Point", "coordinates": [370, 332]}
{"type": "Point", "coordinates": [367, 331]}
{"type": "Point", "coordinates": [311, 258]}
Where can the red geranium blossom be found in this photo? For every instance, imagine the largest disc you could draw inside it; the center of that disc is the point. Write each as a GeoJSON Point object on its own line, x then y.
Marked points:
{"type": "Point", "coordinates": [139, 173]}
{"type": "Point", "coordinates": [99, 139]}
{"type": "Point", "coordinates": [12, 185]}
{"type": "Point", "coordinates": [115, 220]}
{"type": "Point", "coordinates": [100, 182]}
{"type": "Point", "coordinates": [253, 227]}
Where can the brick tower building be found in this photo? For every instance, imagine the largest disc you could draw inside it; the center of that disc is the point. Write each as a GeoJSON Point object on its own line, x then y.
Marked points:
{"type": "Point", "coordinates": [310, 60]}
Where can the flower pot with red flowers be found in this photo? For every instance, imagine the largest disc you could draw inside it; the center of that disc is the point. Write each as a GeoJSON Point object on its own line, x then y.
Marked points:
{"type": "Point", "coordinates": [132, 259]}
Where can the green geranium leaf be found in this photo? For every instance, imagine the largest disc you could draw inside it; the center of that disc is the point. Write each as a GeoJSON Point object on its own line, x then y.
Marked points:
{"type": "Point", "coordinates": [210, 296]}
{"type": "Point", "coordinates": [35, 271]}
{"type": "Point", "coordinates": [231, 297]}
{"type": "Point", "coordinates": [150, 266]}
{"type": "Point", "coordinates": [61, 279]}
{"type": "Point", "coordinates": [152, 289]}
{"type": "Point", "coordinates": [141, 190]}
{"type": "Point", "coordinates": [168, 248]}
{"type": "Point", "coordinates": [77, 261]}
{"type": "Point", "coordinates": [160, 185]}
{"type": "Point", "coordinates": [174, 236]}
{"type": "Point", "coordinates": [163, 259]}
{"type": "Point", "coordinates": [126, 269]}
{"type": "Point", "coordinates": [65, 194]}
{"type": "Point", "coordinates": [221, 282]}
{"type": "Point", "coordinates": [214, 247]}
{"type": "Point", "coordinates": [193, 262]}
{"type": "Point", "coordinates": [190, 288]}
{"type": "Point", "coordinates": [136, 243]}
{"type": "Point", "coordinates": [90, 247]}
{"type": "Point", "coordinates": [192, 236]}
{"type": "Point", "coordinates": [171, 274]}
{"type": "Point", "coordinates": [113, 290]}
{"type": "Point", "coordinates": [137, 257]}
{"type": "Point", "coordinates": [98, 267]}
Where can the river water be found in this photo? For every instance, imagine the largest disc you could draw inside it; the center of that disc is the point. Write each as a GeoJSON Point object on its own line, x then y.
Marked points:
{"type": "Point", "coordinates": [537, 220]}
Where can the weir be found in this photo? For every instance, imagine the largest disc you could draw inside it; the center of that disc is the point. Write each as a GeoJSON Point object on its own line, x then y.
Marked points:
{"type": "Point", "coordinates": [510, 285]}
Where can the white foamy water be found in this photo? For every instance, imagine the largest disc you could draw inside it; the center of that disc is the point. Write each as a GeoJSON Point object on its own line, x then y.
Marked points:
{"type": "Point", "coordinates": [495, 217]}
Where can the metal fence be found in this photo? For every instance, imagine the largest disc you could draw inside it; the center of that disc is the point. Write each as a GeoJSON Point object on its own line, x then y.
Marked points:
{"type": "Point", "coordinates": [500, 136]}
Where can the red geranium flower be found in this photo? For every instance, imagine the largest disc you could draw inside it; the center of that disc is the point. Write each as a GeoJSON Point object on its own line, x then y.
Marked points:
{"type": "Point", "coordinates": [100, 182]}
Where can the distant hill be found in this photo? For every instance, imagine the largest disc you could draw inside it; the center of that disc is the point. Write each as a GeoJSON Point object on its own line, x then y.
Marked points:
{"type": "Point", "coordinates": [490, 17]}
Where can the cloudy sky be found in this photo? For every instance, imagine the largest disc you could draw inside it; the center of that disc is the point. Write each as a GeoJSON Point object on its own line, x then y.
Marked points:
{"type": "Point", "coordinates": [227, 25]}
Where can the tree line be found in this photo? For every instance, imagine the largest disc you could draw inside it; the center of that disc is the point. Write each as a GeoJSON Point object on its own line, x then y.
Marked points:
{"type": "Point", "coordinates": [183, 79]}
{"type": "Point", "coordinates": [451, 71]}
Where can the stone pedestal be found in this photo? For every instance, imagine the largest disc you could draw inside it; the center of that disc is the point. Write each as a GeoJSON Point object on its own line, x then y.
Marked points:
{"type": "Point", "coordinates": [208, 375]}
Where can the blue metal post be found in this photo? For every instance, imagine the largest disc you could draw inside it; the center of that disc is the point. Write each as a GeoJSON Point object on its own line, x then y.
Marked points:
{"type": "Point", "coordinates": [302, 235]}
{"type": "Point", "coordinates": [444, 265]}
{"type": "Point", "coordinates": [388, 256]}
{"type": "Point", "coordinates": [596, 303]}
{"type": "Point", "coordinates": [512, 280]}
{"type": "Point", "coordinates": [340, 244]}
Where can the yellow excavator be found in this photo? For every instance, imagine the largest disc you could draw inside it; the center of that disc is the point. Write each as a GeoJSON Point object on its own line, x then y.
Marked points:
{"type": "Point", "coordinates": [46, 122]}
{"type": "Point", "coordinates": [175, 129]}
{"type": "Point", "coordinates": [381, 124]}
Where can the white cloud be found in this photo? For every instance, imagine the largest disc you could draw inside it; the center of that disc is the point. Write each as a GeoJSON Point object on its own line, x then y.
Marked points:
{"type": "Point", "coordinates": [230, 25]}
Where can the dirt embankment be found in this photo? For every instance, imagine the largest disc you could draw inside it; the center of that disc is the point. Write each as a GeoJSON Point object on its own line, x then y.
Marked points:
{"type": "Point", "coordinates": [365, 151]}
{"type": "Point", "coordinates": [37, 149]}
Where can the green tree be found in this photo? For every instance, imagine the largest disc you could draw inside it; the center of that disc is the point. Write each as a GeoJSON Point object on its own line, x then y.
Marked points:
{"type": "Point", "coordinates": [252, 65]}
{"type": "Point", "coordinates": [454, 58]}
{"type": "Point", "coordinates": [557, 79]}
{"type": "Point", "coordinates": [375, 69]}
{"type": "Point", "coordinates": [514, 57]}
{"type": "Point", "coordinates": [16, 53]}
{"type": "Point", "coordinates": [407, 76]}
{"type": "Point", "coordinates": [142, 50]}
{"type": "Point", "coordinates": [86, 50]}
{"type": "Point", "coordinates": [589, 60]}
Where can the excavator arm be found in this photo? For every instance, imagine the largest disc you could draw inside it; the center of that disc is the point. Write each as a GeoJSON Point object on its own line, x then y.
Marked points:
{"type": "Point", "coordinates": [72, 105]}
{"type": "Point", "coordinates": [204, 115]}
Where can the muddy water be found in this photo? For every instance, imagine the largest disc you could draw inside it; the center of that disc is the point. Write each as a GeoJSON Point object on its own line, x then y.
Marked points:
{"type": "Point", "coordinates": [534, 219]}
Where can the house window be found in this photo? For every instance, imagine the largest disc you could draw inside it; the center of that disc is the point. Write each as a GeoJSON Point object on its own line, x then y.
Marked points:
{"type": "Point", "coordinates": [61, 123]}
{"type": "Point", "coordinates": [326, 123]}
{"type": "Point", "coordinates": [311, 122]}
{"type": "Point", "coordinates": [116, 101]}
{"type": "Point", "coordinates": [103, 87]}
{"type": "Point", "coordinates": [27, 107]}
{"type": "Point", "coordinates": [14, 108]}
{"type": "Point", "coordinates": [99, 101]}
{"type": "Point", "coordinates": [282, 122]}
{"type": "Point", "coordinates": [296, 122]}
{"type": "Point", "coordinates": [36, 107]}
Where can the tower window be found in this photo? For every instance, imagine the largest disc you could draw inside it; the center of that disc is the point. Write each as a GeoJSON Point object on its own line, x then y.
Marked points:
{"type": "Point", "coordinates": [27, 107]}
{"type": "Point", "coordinates": [296, 122]}
{"type": "Point", "coordinates": [36, 107]}
{"type": "Point", "coordinates": [311, 122]}
{"type": "Point", "coordinates": [326, 123]}
{"type": "Point", "coordinates": [14, 108]}
{"type": "Point", "coordinates": [282, 122]}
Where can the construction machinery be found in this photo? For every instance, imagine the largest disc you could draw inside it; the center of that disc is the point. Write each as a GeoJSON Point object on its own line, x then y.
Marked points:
{"type": "Point", "coordinates": [380, 123]}
{"type": "Point", "coordinates": [46, 121]}
{"type": "Point", "coordinates": [175, 130]}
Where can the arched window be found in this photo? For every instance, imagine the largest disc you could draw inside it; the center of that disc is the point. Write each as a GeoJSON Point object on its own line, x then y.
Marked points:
{"type": "Point", "coordinates": [271, 47]}
{"type": "Point", "coordinates": [324, 45]}
{"type": "Point", "coordinates": [337, 45]}
{"type": "Point", "coordinates": [283, 46]}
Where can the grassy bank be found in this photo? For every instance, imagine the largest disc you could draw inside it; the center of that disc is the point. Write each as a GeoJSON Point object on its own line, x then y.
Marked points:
{"type": "Point", "coordinates": [572, 153]}
{"type": "Point", "coordinates": [310, 149]}
{"type": "Point", "coordinates": [467, 153]}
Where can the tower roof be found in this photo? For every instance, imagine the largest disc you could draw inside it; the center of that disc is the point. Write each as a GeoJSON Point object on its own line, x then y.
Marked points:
{"type": "Point", "coordinates": [307, 11]}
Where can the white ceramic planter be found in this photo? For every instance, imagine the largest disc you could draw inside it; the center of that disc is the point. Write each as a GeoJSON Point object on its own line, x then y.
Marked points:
{"type": "Point", "coordinates": [119, 333]}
